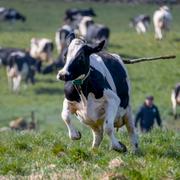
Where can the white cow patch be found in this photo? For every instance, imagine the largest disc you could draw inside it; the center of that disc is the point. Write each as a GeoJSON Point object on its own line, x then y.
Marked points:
{"type": "Point", "coordinates": [97, 63]}
{"type": "Point", "coordinates": [85, 107]}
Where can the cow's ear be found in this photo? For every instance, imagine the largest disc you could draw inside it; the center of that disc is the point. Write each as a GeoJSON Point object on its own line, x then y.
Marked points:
{"type": "Point", "coordinates": [99, 47]}
{"type": "Point", "coordinates": [69, 38]}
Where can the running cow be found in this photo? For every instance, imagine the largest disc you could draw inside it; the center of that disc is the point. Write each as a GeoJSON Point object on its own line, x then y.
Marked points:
{"type": "Point", "coordinates": [97, 91]}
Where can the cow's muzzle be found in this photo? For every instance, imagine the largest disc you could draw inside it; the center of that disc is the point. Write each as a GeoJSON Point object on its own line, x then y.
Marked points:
{"type": "Point", "coordinates": [63, 75]}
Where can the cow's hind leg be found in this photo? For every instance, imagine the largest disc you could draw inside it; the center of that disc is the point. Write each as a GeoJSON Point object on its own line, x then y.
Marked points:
{"type": "Point", "coordinates": [130, 127]}
{"type": "Point", "coordinates": [111, 111]}
{"type": "Point", "coordinates": [66, 116]}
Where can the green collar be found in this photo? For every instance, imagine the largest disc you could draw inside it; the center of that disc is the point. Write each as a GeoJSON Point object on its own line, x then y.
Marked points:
{"type": "Point", "coordinates": [80, 81]}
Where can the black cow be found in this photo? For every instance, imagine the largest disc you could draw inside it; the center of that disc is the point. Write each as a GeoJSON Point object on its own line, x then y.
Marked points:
{"type": "Point", "coordinates": [97, 91]}
{"type": "Point", "coordinates": [10, 14]}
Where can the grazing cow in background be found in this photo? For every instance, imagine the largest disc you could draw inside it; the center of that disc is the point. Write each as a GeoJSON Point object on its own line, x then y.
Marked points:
{"type": "Point", "coordinates": [10, 14]}
{"type": "Point", "coordinates": [140, 23]}
{"type": "Point", "coordinates": [20, 66]}
{"type": "Point", "coordinates": [5, 52]}
{"type": "Point", "coordinates": [97, 91]}
{"type": "Point", "coordinates": [71, 14]}
{"type": "Point", "coordinates": [175, 99]}
{"type": "Point", "coordinates": [92, 32]}
{"type": "Point", "coordinates": [60, 37]}
{"type": "Point", "coordinates": [61, 45]}
{"type": "Point", "coordinates": [162, 19]}
{"type": "Point", "coordinates": [41, 49]}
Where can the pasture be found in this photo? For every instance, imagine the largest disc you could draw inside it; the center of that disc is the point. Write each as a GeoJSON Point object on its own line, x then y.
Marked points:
{"type": "Point", "coordinates": [48, 153]}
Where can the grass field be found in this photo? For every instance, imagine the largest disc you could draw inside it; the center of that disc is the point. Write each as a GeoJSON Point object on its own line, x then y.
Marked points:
{"type": "Point", "coordinates": [49, 153]}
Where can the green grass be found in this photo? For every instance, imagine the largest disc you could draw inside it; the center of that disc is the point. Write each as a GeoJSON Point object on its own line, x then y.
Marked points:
{"type": "Point", "coordinates": [49, 153]}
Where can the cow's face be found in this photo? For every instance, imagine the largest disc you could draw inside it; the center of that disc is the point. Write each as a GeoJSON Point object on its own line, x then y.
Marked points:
{"type": "Point", "coordinates": [77, 59]}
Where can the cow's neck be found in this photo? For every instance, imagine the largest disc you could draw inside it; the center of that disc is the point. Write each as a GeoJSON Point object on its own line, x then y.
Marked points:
{"type": "Point", "coordinates": [94, 83]}
{"type": "Point", "coordinates": [80, 81]}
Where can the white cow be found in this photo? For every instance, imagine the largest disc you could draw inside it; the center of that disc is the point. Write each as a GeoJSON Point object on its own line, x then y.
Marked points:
{"type": "Point", "coordinates": [161, 19]}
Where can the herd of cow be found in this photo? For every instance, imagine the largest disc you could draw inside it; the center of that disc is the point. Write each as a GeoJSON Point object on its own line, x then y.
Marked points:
{"type": "Point", "coordinates": [23, 64]}
{"type": "Point", "coordinates": [97, 86]}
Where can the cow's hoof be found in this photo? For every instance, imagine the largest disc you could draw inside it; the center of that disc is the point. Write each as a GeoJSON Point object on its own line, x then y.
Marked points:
{"type": "Point", "coordinates": [121, 148]}
{"type": "Point", "coordinates": [76, 136]}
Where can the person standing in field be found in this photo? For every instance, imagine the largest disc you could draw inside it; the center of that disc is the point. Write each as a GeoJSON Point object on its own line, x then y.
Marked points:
{"type": "Point", "coordinates": [147, 114]}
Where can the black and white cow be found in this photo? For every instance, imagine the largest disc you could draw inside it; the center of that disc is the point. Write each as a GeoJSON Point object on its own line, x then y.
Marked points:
{"type": "Point", "coordinates": [60, 37]}
{"type": "Point", "coordinates": [97, 91]}
{"type": "Point", "coordinates": [92, 32]}
{"type": "Point", "coordinates": [61, 45]}
{"type": "Point", "coordinates": [20, 66]}
{"type": "Point", "coordinates": [140, 23]}
{"type": "Point", "coordinates": [71, 14]}
{"type": "Point", "coordinates": [41, 49]}
{"type": "Point", "coordinates": [10, 14]}
{"type": "Point", "coordinates": [4, 54]}
{"type": "Point", "coordinates": [175, 99]}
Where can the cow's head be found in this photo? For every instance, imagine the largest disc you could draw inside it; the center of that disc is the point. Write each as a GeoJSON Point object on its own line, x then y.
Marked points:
{"type": "Point", "coordinates": [77, 59]}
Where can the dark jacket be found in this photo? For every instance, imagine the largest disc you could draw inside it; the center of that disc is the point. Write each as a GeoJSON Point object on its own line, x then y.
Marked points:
{"type": "Point", "coordinates": [146, 115]}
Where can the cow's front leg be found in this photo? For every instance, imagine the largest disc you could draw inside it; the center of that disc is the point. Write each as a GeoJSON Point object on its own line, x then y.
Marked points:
{"type": "Point", "coordinates": [10, 79]}
{"type": "Point", "coordinates": [111, 112]}
{"type": "Point", "coordinates": [66, 116]}
{"type": "Point", "coordinates": [130, 127]}
{"type": "Point", "coordinates": [97, 136]}
{"type": "Point", "coordinates": [16, 83]}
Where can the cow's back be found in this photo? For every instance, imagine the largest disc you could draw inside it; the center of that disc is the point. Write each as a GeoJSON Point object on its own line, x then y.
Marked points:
{"type": "Point", "coordinates": [119, 76]}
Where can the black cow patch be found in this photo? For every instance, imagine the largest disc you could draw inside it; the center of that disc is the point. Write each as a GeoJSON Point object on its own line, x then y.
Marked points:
{"type": "Point", "coordinates": [119, 77]}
